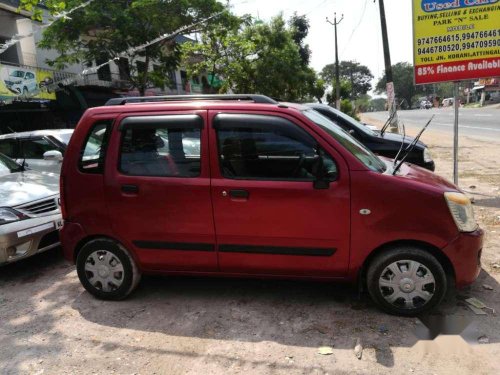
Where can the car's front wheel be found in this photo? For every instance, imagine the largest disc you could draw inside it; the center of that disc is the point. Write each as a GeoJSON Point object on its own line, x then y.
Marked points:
{"type": "Point", "coordinates": [106, 269]}
{"type": "Point", "coordinates": [406, 281]}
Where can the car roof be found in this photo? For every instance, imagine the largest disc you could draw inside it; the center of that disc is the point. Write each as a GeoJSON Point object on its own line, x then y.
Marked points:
{"type": "Point", "coordinates": [36, 133]}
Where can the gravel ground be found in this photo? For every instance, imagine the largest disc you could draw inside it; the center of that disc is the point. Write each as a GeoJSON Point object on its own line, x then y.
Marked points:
{"type": "Point", "coordinates": [50, 325]}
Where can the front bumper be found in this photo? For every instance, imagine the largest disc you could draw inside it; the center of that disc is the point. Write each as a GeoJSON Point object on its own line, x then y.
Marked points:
{"type": "Point", "coordinates": [25, 238]}
{"type": "Point", "coordinates": [464, 253]}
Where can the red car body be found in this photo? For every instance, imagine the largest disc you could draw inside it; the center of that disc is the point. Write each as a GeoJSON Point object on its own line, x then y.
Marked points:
{"type": "Point", "coordinates": [169, 215]}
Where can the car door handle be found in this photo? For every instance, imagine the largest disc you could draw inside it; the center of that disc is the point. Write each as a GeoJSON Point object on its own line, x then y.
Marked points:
{"type": "Point", "coordinates": [242, 194]}
{"type": "Point", "coordinates": [130, 189]}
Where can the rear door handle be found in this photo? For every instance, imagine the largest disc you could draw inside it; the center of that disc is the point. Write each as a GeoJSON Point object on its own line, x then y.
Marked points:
{"type": "Point", "coordinates": [130, 189]}
{"type": "Point", "coordinates": [242, 194]}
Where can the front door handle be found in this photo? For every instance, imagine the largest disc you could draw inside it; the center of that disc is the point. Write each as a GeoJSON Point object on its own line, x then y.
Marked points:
{"type": "Point", "coordinates": [242, 194]}
{"type": "Point", "coordinates": [130, 189]}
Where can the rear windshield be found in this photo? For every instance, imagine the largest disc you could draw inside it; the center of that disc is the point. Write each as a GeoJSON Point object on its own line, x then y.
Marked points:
{"type": "Point", "coordinates": [352, 145]}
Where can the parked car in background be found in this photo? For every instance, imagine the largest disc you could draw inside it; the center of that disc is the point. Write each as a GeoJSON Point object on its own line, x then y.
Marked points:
{"type": "Point", "coordinates": [276, 190]}
{"type": "Point", "coordinates": [30, 217]}
{"type": "Point", "coordinates": [42, 150]}
{"type": "Point", "coordinates": [448, 102]}
{"type": "Point", "coordinates": [383, 144]}
{"type": "Point", "coordinates": [425, 104]}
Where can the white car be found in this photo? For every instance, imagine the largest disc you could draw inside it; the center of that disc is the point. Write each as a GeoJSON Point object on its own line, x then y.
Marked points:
{"type": "Point", "coordinates": [41, 150]}
{"type": "Point", "coordinates": [22, 82]}
{"type": "Point", "coordinates": [30, 216]}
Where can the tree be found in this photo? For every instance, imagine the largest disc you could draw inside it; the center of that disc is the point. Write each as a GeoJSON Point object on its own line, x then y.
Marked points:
{"type": "Point", "coordinates": [255, 57]}
{"type": "Point", "coordinates": [405, 88]}
{"type": "Point", "coordinates": [359, 77]}
{"type": "Point", "coordinates": [300, 28]}
{"type": "Point", "coordinates": [104, 29]}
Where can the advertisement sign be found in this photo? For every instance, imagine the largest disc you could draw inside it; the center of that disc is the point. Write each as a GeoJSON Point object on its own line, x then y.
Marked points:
{"type": "Point", "coordinates": [26, 83]}
{"type": "Point", "coordinates": [455, 40]}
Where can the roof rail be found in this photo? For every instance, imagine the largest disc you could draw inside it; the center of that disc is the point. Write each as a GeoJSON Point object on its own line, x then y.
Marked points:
{"type": "Point", "coordinates": [148, 99]}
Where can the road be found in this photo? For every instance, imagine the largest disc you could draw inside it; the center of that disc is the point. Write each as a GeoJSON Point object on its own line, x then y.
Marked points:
{"type": "Point", "coordinates": [479, 123]}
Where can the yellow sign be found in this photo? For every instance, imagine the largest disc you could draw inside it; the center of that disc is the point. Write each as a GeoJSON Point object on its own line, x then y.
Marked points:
{"type": "Point", "coordinates": [26, 83]}
{"type": "Point", "coordinates": [456, 39]}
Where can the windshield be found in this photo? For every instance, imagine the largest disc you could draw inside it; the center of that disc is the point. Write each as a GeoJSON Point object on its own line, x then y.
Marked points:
{"type": "Point", "coordinates": [64, 137]}
{"type": "Point", "coordinates": [17, 73]}
{"type": "Point", "coordinates": [352, 145]}
{"type": "Point", "coordinates": [8, 165]}
{"type": "Point", "coordinates": [355, 123]}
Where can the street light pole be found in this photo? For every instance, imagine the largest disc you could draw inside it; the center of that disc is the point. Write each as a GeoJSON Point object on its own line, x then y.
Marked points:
{"type": "Point", "coordinates": [337, 70]}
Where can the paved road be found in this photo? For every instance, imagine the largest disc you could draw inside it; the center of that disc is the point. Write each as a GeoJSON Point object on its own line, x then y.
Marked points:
{"type": "Point", "coordinates": [483, 123]}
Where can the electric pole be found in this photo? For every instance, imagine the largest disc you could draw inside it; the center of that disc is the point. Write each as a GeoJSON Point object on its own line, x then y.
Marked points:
{"type": "Point", "coordinates": [337, 71]}
{"type": "Point", "coordinates": [391, 100]}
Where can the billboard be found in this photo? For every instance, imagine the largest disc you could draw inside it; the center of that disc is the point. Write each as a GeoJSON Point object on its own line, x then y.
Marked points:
{"type": "Point", "coordinates": [26, 82]}
{"type": "Point", "coordinates": [455, 40]}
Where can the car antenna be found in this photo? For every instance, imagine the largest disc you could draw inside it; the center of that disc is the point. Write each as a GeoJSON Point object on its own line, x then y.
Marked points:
{"type": "Point", "coordinates": [411, 146]}
{"type": "Point", "coordinates": [389, 120]}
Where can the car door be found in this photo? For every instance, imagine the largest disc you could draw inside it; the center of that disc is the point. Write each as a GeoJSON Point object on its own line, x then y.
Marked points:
{"type": "Point", "coordinates": [33, 148]}
{"type": "Point", "coordinates": [269, 217]}
{"type": "Point", "coordinates": [157, 187]}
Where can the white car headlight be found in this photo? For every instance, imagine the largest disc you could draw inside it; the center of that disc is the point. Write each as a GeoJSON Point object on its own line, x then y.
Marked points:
{"type": "Point", "coordinates": [427, 155]}
{"type": "Point", "coordinates": [8, 215]}
{"type": "Point", "coordinates": [461, 211]}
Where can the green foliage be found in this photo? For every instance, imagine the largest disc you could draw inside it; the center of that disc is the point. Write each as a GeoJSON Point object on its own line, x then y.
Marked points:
{"type": "Point", "coordinates": [347, 107]}
{"type": "Point", "coordinates": [363, 103]}
{"type": "Point", "coordinates": [377, 104]}
{"type": "Point", "coordinates": [104, 29]}
{"type": "Point", "coordinates": [404, 87]}
{"type": "Point", "coordinates": [254, 57]}
{"type": "Point", "coordinates": [358, 76]}
{"type": "Point", "coordinates": [345, 90]}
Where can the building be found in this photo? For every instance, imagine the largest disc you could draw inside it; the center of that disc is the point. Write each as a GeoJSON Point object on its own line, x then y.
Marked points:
{"type": "Point", "coordinates": [35, 96]}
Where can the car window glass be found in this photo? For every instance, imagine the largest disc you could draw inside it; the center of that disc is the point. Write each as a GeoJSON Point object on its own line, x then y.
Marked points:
{"type": "Point", "coordinates": [36, 147]}
{"type": "Point", "coordinates": [9, 147]}
{"type": "Point", "coordinates": [268, 152]}
{"type": "Point", "coordinates": [164, 151]}
{"type": "Point", "coordinates": [93, 153]}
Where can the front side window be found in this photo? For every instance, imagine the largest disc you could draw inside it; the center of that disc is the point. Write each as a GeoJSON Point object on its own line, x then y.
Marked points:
{"type": "Point", "coordinates": [35, 148]}
{"type": "Point", "coordinates": [93, 153]}
{"type": "Point", "coordinates": [262, 147]}
{"type": "Point", "coordinates": [352, 145]}
{"type": "Point", "coordinates": [163, 150]}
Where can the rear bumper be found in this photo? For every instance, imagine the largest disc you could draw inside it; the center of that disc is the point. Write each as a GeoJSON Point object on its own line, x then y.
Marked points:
{"type": "Point", "coordinates": [71, 234]}
{"type": "Point", "coordinates": [464, 253]}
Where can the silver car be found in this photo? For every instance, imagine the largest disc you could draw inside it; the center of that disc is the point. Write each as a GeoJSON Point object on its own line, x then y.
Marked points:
{"type": "Point", "coordinates": [30, 216]}
{"type": "Point", "coordinates": [41, 150]}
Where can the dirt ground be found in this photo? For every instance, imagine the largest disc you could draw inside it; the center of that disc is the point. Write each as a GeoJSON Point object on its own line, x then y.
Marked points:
{"type": "Point", "coordinates": [50, 325]}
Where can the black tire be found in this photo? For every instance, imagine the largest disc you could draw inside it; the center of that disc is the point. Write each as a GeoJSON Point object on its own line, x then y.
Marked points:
{"type": "Point", "coordinates": [379, 264]}
{"type": "Point", "coordinates": [131, 275]}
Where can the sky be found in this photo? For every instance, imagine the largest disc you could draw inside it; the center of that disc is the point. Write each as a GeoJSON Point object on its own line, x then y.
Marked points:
{"type": "Point", "coordinates": [359, 33]}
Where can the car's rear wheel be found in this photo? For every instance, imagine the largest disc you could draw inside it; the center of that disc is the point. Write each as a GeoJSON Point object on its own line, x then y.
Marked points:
{"type": "Point", "coordinates": [106, 269]}
{"type": "Point", "coordinates": [406, 281]}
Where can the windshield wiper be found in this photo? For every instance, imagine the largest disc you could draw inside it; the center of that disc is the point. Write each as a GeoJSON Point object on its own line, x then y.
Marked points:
{"type": "Point", "coordinates": [409, 149]}
{"type": "Point", "coordinates": [389, 121]}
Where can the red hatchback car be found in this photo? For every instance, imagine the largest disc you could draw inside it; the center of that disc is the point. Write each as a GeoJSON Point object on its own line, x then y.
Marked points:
{"type": "Point", "coordinates": [244, 186]}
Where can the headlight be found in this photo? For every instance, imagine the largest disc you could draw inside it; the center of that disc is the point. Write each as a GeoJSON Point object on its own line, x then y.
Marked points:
{"type": "Point", "coordinates": [462, 211]}
{"type": "Point", "coordinates": [427, 155]}
{"type": "Point", "coordinates": [8, 215]}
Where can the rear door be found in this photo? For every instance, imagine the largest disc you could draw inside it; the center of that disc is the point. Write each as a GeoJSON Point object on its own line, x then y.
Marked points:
{"type": "Point", "coordinates": [158, 190]}
{"type": "Point", "coordinates": [269, 217]}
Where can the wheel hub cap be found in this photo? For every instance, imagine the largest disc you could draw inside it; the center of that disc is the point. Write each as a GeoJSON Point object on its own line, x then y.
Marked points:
{"type": "Point", "coordinates": [407, 285]}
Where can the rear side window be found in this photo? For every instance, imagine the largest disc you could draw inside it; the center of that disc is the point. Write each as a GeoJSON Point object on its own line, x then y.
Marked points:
{"type": "Point", "coordinates": [162, 146]}
{"type": "Point", "coordinates": [93, 153]}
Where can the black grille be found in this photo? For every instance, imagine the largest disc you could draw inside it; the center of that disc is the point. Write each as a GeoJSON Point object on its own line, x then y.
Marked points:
{"type": "Point", "coordinates": [41, 207]}
{"type": "Point", "coordinates": [49, 239]}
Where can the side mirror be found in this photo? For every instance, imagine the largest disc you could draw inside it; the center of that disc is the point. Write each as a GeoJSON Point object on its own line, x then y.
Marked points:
{"type": "Point", "coordinates": [53, 155]}
{"type": "Point", "coordinates": [321, 181]}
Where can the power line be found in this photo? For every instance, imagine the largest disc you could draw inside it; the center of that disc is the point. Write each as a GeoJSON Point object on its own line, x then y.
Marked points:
{"type": "Point", "coordinates": [356, 27]}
